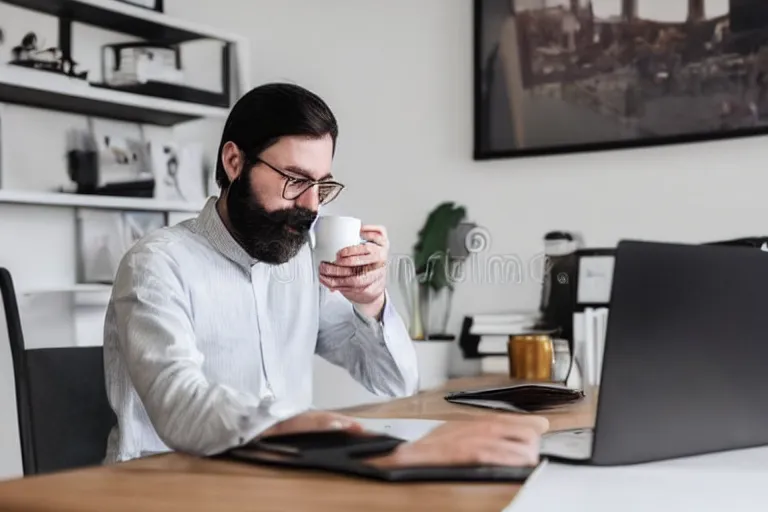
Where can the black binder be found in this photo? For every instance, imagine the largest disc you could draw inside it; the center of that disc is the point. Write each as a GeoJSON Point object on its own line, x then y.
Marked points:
{"type": "Point", "coordinates": [346, 453]}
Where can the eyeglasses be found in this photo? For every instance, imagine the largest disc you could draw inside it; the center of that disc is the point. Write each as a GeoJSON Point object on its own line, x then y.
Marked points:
{"type": "Point", "coordinates": [294, 187]}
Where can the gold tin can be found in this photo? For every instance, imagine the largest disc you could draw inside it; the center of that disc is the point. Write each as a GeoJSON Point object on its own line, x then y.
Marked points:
{"type": "Point", "coordinates": [531, 357]}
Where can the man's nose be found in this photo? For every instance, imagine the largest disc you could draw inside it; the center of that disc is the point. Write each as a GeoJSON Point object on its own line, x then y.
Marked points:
{"type": "Point", "coordinates": [309, 199]}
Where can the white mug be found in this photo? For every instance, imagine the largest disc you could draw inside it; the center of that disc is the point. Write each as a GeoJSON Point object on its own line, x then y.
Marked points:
{"type": "Point", "coordinates": [334, 233]}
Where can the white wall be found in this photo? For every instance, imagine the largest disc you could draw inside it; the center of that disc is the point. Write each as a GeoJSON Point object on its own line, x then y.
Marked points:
{"type": "Point", "coordinates": [398, 74]}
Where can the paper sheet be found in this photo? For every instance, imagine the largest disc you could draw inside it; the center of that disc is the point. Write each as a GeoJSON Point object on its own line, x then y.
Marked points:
{"type": "Point", "coordinates": [404, 428]}
{"type": "Point", "coordinates": [733, 480]}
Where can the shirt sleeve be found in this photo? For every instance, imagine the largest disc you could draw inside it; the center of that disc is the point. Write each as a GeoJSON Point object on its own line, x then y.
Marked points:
{"type": "Point", "coordinates": [378, 354]}
{"type": "Point", "coordinates": [156, 339]}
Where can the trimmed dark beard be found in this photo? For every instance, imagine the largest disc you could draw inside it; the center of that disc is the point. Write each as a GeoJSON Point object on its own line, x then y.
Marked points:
{"type": "Point", "coordinates": [264, 234]}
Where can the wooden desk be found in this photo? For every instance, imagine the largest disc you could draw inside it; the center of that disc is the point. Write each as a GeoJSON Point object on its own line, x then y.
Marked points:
{"type": "Point", "coordinates": [176, 482]}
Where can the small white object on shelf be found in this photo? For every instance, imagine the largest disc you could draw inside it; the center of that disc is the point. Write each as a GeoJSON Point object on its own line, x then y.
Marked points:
{"type": "Point", "coordinates": [95, 201]}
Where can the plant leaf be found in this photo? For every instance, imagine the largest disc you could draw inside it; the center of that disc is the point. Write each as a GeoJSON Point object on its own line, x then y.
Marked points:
{"type": "Point", "coordinates": [430, 252]}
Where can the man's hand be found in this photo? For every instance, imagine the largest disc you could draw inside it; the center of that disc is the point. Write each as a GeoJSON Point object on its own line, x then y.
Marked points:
{"type": "Point", "coordinates": [503, 440]}
{"type": "Point", "coordinates": [312, 421]}
{"type": "Point", "coordinates": [360, 272]}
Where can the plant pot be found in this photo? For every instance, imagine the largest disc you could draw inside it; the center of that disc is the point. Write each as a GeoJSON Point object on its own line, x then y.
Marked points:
{"type": "Point", "coordinates": [433, 357]}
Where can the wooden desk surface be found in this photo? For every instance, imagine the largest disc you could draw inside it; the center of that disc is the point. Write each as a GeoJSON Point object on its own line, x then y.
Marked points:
{"type": "Point", "coordinates": [176, 482]}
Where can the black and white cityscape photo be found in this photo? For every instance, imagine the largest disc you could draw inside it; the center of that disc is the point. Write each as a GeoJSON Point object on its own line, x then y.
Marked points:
{"type": "Point", "coordinates": [554, 74]}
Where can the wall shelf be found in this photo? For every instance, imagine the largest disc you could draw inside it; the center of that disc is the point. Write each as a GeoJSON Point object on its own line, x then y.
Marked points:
{"type": "Point", "coordinates": [48, 90]}
{"type": "Point", "coordinates": [125, 18]}
{"type": "Point", "coordinates": [72, 288]}
{"type": "Point", "coordinates": [83, 295]}
{"type": "Point", "coordinates": [21, 197]}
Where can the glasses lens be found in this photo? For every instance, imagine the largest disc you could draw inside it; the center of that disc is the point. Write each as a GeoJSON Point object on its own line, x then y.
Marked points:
{"type": "Point", "coordinates": [327, 192]}
{"type": "Point", "coordinates": [293, 189]}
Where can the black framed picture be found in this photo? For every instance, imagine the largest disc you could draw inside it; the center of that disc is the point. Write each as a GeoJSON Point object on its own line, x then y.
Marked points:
{"type": "Point", "coordinates": [555, 76]}
{"type": "Point", "coordinates": [155, 5]}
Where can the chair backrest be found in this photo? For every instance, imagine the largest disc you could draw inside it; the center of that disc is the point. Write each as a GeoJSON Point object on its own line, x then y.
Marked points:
{"type": "Point", "coordinates": [63, 412]}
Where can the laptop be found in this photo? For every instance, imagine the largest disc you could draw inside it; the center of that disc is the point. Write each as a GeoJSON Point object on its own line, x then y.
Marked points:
{"type": "Point", "coordinates": [685, 363]}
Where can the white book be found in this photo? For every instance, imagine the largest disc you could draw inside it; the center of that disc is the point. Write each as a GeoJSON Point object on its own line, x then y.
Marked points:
{"type": "Point", "coordinates": [493, 344]}
{"type": "Point", "coordinates": [508, 329]}
{"type": "Point", "coordinates": [602, 324]}
{"type": "Point", "coordinates": [580, 346]}
{"type": "Point", "coordinates": [503, 318]}
{"type": "Point", "coordinates": [494, 365]}
{"type": "Point", "coordinates": [590, 345]}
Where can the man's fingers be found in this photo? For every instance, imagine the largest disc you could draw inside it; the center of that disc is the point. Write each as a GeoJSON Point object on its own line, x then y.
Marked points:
{"type": "Point", "coordinates": [354, 282]}
{"type": "Point", "coordinates": [353, 250]}
{"type": "Point", "coordinates": [374, 237]}
{"type": "Point", "coordinates": [510, 454]}
{"type": "Point", "coordinates": [513, 421]}
{"type": "Point", "coordinates": [519, 433]}
{"type": "Point", "coordinates": [333, 270]}
{"type": "Point", "coordinates": [375, 234]}
{"type": "Point", "coordinates": [328, 421]}
{"type": "Point", "coordinates": [372, 258]}
{"type": "Point", "coordinates": [540, 423]}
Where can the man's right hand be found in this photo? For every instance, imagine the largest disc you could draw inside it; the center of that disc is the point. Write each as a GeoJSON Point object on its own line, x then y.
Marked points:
{"type": "Point", "coordinates": [502, 439]}
{"type": "Point", "coordinates": [312, 421]}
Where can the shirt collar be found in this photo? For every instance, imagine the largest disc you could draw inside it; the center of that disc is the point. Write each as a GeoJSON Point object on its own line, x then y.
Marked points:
{"type": "Point", "coordinates": [210, 225]}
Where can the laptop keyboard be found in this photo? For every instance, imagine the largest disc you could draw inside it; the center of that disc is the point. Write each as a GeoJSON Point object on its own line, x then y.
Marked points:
{"type": "Point", "coordinates": [573, 444]}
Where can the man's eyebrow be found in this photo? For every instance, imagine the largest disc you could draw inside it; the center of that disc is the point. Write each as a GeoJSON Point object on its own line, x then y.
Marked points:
{"type": "Point", "coordinates": [305, 173]}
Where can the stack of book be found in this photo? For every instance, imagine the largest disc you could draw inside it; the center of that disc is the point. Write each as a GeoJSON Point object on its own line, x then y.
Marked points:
{"type": "Point", "coordinates": [486, 336]}
{"type": "Point", "coordinates": [589, 329]}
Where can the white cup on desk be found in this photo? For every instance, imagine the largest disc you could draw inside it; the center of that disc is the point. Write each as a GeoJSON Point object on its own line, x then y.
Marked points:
{"type": "Point", "coordinates": [334, 233]}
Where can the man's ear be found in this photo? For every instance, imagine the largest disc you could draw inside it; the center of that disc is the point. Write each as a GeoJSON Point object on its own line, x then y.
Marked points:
{"type": "Point", "coordinates": [232, 159]}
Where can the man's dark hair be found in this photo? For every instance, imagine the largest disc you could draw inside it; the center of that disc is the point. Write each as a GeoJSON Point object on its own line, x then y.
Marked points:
{"type": "Point", "coordinates": [272, 111]}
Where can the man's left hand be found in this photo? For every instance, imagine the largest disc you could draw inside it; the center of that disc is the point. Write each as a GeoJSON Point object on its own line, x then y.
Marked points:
{"type": "Point", "coordinates": [360, 271]}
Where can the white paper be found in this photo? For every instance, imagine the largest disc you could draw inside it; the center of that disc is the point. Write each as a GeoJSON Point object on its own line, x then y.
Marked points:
{"type": "Point", "coordinates": [602, 326]}
{"type": "Point", "coordinates": [595, 279]}
{"type": "Point", "coordinates": [590, 345]}
{"type": "Point", "coordinates": [733, 480]}
{"type": "Point", "coordinates": [404, 428]}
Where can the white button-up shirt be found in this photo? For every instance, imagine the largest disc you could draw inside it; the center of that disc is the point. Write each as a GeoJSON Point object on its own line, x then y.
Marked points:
{"type": "Point", "coordinates": [205, 347]}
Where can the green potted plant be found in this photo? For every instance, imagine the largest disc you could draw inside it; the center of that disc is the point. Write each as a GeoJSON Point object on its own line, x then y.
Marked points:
{"type": "Point", "coordinates": [433, 266]}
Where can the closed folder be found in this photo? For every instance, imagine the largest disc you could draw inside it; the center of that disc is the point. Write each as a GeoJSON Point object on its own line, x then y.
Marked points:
{"type": "Point", "coordinates": [346, 453]}
{"type": "Point", "coordinates": [523, 398]}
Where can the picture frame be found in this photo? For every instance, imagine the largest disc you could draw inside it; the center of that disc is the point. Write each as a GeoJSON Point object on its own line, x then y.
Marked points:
{"type": "Point", "coordinates": [588, 75]}
{"type": "Point", "coordinates": [154, 5]}
{"type": "Point", "coordinates": [594, 278]}
{"type": "Point", "coordinates": [104, 236]}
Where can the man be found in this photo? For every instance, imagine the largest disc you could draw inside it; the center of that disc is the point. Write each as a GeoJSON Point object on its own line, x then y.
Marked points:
{"type": "Point", "coordinates": [213, 323]}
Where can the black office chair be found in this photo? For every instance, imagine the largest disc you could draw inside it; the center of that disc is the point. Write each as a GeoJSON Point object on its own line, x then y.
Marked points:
{"type": "Point", "coordinates": [64, 414]}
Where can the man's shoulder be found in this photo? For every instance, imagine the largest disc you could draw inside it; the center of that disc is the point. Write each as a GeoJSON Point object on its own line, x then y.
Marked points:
{"type": "Point", "coordinates": [166, 245]}
{"type": "Point", "coordinates": [165, 240]}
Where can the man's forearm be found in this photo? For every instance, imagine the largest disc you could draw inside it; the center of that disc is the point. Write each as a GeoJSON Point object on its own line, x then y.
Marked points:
{"type": "Point", "coordinates": [377, 353]}
{"type": "Point", "coordinates": [375, 309]}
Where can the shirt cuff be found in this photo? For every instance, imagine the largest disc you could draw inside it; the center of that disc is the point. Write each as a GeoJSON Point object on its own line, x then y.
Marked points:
{"type": "Point", "coordinates": [386, 314]}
